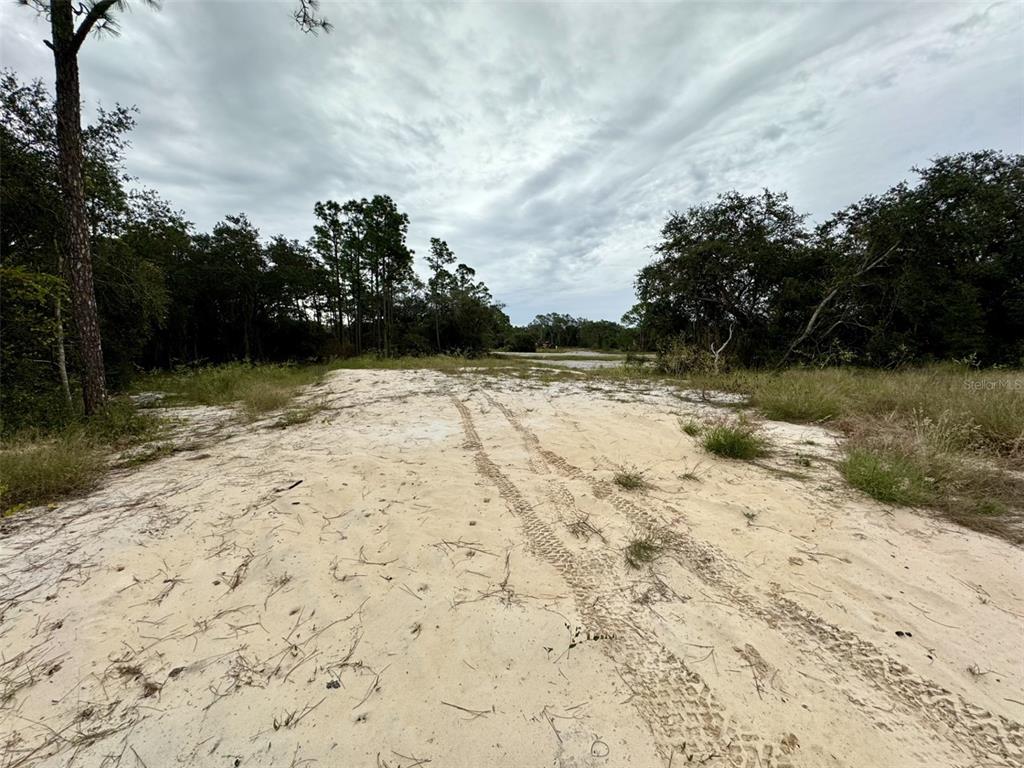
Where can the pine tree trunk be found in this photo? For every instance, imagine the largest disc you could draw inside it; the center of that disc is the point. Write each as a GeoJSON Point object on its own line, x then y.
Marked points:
{"type": "Point", "coordinates": [62, 365]}
{"type": "Point", "coordinates": [75, 229]}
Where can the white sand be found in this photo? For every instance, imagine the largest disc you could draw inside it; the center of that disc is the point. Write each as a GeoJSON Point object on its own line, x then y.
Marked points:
{"type": "Point", "coordinates": [195, 610]}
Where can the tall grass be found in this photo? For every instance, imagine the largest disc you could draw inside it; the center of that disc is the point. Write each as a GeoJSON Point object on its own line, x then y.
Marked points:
{"type": "Point", "coordinates": [254, 389]}
{"type": "Point", "coordinates": [985, 408]}
{"type": "Point", "coordinates": [37, 467]}
{"type": "Point", "coordinates": [37, 471]}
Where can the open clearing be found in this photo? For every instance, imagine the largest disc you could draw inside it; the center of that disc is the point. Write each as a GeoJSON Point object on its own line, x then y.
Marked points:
{"type": "Point", "coordinates": [442, 570]}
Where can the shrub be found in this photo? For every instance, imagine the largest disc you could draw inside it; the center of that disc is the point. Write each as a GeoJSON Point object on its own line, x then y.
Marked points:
{"type": "Point", "coordinates": [522, 341]}
{"type": "Point", "coordinates": [679, 358]}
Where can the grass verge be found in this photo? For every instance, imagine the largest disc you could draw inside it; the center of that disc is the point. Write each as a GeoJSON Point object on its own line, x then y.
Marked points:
{"type": "Point", "coordinates": [946, 436]}
{"type": "Point", "coordinates": [916, 468]}
{"type": "Point", "coordinates": [36, 468]}
{"type": "Point", "coordinates": [982, 410]}
{"type": "Point", "coordinates": [254, 389]}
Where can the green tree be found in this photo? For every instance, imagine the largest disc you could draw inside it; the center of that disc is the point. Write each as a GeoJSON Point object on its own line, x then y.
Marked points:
{"type": "Point", "coordinates": [441, 281]}
{"type": "Point", "coordinates": [31, 201]}
{"type": "Point", "coordinates": [719, 272]}
{"type": "Point", "coordinates": [331, 241]}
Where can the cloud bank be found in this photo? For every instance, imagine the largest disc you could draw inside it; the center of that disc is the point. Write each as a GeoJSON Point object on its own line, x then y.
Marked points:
{"type": "Point", "coordinates": [546, 143]}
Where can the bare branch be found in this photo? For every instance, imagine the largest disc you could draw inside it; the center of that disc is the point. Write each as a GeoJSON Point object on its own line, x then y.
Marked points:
{"type": "Point", "coordinates": [841, 282]}
{"type": "Point", "coordinates": [718, 352]}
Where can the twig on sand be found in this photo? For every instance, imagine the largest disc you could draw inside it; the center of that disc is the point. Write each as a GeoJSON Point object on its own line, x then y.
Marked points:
{"type": "Point", "coordinates": [239, 575]}
{"type": "Point", "coordinates": [374, 686]}
{"type": "Point", "coordinates": [812, 554]}
{"type": "Point", "coordinates": [474, 713]}
{"type": "Point", "coordinates": [363, 561]}
{"type": "Point", "coordinates": [451, 546]}
{"type": "Point", "coordinates": [291, 719]}
{"type": "Point", "coordinates": [411, 592]}
{"type": "Point", "coordinates": [416, 761]}
{"type": "Point", "coordinates": [934, 621]}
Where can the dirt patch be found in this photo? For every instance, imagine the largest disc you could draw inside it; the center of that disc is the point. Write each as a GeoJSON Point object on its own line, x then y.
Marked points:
{"type": "Point", "coordinates": [433, 569]}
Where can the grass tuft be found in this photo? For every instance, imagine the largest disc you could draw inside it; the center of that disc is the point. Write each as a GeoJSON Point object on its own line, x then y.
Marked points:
{"type": "Point", "coordinates": [887, 476]}
{"type": "Point", "coordinates": [736, 439]}
{"type": "Point", "coordinates": [631, 480]}
{"type": "Point", "coordinates": [691, 427]}
{"type": "Point", "coordinates": [642, 550]}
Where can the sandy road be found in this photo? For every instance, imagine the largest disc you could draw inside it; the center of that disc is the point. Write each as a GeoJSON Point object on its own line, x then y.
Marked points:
{"type": "Point", "coordinates": [433, 570]}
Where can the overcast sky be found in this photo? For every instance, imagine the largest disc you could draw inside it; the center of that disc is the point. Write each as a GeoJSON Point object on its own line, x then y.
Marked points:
{"type": "Point", "coordinates": [546, 143]}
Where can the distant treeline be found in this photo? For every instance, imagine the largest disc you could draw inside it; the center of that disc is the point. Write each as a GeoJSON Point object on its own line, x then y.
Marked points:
{"type": "Point", "coordinates": [925, 271]}
{"type": "Point", "coordinates": [554, 330]}
{"type": "Point", "coordinates": [168, 295]}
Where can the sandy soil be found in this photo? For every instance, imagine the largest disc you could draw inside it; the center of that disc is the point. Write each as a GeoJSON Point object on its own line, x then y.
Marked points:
{"type": "Point", "coordinates": [432, 573]}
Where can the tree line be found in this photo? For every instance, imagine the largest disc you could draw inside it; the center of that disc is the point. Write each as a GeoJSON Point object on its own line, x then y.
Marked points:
{"type": "Point", "coordinates": [925, 271]}
{"type": "Point", "coordinates": [168, 295]}
{"type": "Point", "coordinates": [931, 270]}
{"type": "Point", "coordinates": [553, 330]}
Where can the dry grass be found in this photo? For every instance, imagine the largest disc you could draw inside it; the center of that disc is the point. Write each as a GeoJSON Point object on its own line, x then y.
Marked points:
{"type": "Point", "coordinates": [642, 550]}
{"type": "Point", "coordinates": [983, 410]}
{"type": "Point", "coordinates": [37, 471]}
{"type": "Point", "coordinates": [300, 414]}
{"type": "Point", "coordinates": [631, 480]}
{"type": "Point", "coordinates": [923, 464]}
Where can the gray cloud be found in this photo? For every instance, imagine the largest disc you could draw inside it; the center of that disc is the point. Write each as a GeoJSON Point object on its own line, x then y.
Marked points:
{"type": "Point", "coordinates": [546, 143]}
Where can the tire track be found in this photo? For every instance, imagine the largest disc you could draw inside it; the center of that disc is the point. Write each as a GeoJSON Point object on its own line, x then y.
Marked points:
{"type": "Point", "coordinates": [677, 704]}
{"type": "Point", "coordinates": [986, 736]}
